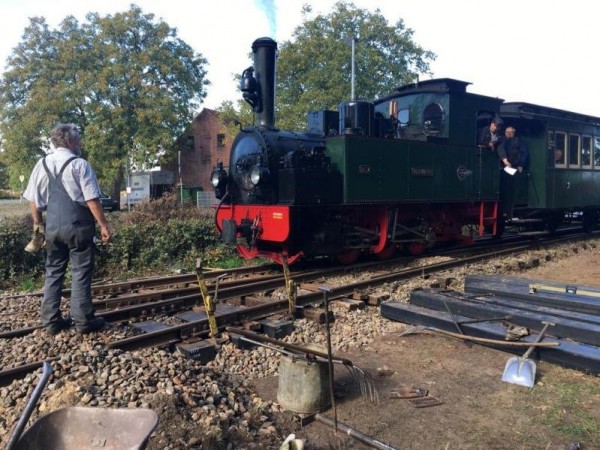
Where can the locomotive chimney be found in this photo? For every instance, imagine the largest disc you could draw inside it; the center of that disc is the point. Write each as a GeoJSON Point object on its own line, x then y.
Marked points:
{"type": "Point", "coordinates": [265, 52]}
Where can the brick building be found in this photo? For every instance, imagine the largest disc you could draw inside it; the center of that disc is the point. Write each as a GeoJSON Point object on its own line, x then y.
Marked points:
{"type": "Point", "coordinates": [200, 151]}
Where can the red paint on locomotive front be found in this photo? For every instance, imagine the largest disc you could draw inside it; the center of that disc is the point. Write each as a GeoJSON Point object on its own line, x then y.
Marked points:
{"type": "Point", "coordinates": [272, 222]}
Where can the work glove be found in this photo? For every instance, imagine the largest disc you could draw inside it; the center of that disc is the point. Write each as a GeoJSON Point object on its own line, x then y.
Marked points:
{"type": "Point", "coordinates": [38, 239]}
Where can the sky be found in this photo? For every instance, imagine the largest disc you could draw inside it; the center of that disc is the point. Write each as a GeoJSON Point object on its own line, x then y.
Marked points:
{"type": "Point", "coordinates": [536, 51]}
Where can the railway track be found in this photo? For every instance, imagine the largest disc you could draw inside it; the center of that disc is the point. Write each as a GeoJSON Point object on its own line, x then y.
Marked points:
{"type": "Point", "coordinates": [101, 289]}
{"type": "Point", "coordinates": [249, 304]}
{"type": "Point", "coordinates": [118, 302]}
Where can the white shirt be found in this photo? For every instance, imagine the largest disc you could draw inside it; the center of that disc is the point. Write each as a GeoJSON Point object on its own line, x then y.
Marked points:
{"type": "Point", "coordinates": [78, 178]}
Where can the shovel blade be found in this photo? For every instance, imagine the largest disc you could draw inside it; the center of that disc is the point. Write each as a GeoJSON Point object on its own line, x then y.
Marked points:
{"type": "Point", "coordinates": [519, 371]}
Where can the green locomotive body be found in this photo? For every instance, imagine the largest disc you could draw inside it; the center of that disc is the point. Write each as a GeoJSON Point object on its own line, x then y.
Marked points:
{"type": "Point", "coordinates": [419, 157]}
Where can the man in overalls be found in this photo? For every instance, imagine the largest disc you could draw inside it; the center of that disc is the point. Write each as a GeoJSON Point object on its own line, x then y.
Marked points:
{"type": "Point", "coordinates": [65, 186]}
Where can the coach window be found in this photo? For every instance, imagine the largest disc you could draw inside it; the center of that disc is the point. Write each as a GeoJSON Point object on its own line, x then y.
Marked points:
{"type": "Point", "coordinates": [574, 150]}
{"type": "Point", "coordinates": [597, 153]}
{"type": "Point", "coordinates": [586, 152]}
{"type": "Point", "coordinates": [560, 147]}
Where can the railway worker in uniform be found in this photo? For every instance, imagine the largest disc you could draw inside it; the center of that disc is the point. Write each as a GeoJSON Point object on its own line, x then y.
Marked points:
{"type": "Point", "coordinates": [490, 136]}
{"type": "Point", "coordinates": [65, 186]}
{"type": "Point", "coordinates": [513, 154]}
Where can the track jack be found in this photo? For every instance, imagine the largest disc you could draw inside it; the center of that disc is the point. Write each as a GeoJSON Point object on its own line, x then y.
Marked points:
{"type": "Point", "coordinates": [210, 304]}
{"type": "Point", "coordinates": [290, 286]}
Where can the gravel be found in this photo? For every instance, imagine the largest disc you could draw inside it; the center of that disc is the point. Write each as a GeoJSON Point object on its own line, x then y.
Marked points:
{"type": "Point", "coordinates": [203, 406]}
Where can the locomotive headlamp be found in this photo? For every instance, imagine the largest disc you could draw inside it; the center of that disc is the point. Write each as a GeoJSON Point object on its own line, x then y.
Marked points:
{"type": "Point", "coordinates": [218, 176]}
{"type": "Point", "coordinates": [258, 174]}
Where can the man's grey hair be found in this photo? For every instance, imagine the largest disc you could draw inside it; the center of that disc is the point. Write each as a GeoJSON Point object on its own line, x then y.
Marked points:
{"type": "Point", "coordinates": [63, 133]}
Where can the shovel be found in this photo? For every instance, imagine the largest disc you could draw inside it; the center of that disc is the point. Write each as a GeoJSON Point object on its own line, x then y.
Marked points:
{"type": "Point", "coordinates": [520, 370]}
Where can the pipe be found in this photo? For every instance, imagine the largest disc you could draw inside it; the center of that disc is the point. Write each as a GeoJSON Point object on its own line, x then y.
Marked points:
{"type": "Point", "coordinates": [355, 434]}
{"type": "Point", "coordinates": [31, 404]}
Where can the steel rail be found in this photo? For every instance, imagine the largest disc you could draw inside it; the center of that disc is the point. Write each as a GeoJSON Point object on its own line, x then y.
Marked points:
{"type": "Point", "coordinates": [130, 285]}
{"type": "Point", "coordinates": [8, 375]}
{"type": "Point", "coordinates": [199, 328]}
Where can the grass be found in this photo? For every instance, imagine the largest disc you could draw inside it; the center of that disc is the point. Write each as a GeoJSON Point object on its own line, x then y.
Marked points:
{"type": "Point", "coordinates": [569, 407]}
{"type": "Point", "coordinates": [29, 285]}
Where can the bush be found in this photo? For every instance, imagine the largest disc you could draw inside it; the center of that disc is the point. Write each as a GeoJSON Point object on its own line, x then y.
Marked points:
{"type": "Point", "coordinates": [15, 262]}
{"type": "Point", "coordinates": [157, 244]}
{"type": "Point", "coordinates": [156, 236]}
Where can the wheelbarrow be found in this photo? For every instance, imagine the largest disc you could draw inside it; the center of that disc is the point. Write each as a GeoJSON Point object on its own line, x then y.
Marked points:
{"type": "Point", "coordinates": [82, 428]}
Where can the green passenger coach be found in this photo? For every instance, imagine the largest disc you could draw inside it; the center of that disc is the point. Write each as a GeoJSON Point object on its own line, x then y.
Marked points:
{"type": "Point", "coordinates": [564, 174]}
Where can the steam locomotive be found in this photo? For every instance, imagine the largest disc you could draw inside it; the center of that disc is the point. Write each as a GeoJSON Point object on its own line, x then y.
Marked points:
{"type": "Point", "coordinates": [403, 171]}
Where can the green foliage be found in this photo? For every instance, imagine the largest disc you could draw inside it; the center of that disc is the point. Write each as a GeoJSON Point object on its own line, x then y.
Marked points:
{"type": "Point", "coordinates": [126, 80]}
{"type": "Point", "coordinates": [14, 261]}
{"type": "Point", "coordinates": [3, 177]}
{"type": "Point", "coordinates": [314, 67]}
{"type": "Point", "coordinates": [161, 235]}
{"type": "Point", "coordinates": [234, 116]}
{"type": "Point", "coordinates": [28, 285]}
{"type": "Point", "coordinates": [155, 237]}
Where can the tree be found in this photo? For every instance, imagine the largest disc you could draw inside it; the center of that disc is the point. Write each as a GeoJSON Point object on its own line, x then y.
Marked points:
{"type": "Point", "coordinates": [127, 81]}
{"type": "Point", "coordinates": [314, 67]}
{"type": "Point", "coordinates": [234, 117]}
{"type": "Point", "coordinates": [3, 177]}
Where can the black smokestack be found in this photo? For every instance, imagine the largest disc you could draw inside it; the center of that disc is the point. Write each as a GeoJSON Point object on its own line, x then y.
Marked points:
{"type": "Point", "coordinates": [265, 53]}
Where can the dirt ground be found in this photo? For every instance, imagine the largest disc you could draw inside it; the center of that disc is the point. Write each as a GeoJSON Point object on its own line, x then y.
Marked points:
{"type": "Point", "coordinates": [479, 411]}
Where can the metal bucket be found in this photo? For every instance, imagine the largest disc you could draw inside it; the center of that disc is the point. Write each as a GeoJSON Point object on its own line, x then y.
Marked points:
{"type": "Point", "coordinates": [303, 385]}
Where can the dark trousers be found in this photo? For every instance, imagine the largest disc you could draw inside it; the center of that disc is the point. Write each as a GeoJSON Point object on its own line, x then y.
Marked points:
{"type": "Point", "coordinates": [82, 265]}
{"type": "Point", "coordinates": [508, 191]}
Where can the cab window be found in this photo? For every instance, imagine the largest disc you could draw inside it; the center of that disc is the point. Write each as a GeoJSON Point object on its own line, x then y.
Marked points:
{"type": "Point", "coordinates": [433, 119]}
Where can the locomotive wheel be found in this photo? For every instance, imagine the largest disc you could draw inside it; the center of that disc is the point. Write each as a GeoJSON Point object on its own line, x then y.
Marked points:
{"type": "Point", "coordinates": [348, 257]}
{"type": "Point", "coordinates": [386, 253]}
{"type": "Point", "coordinates": [416, 248]}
